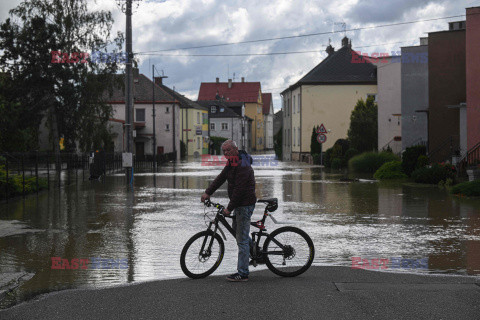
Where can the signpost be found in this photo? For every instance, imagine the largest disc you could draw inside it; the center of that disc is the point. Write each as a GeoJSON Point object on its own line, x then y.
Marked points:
{"type": "Point", "coordinates": [321, 138]}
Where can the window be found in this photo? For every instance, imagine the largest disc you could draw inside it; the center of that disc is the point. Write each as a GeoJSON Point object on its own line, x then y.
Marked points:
{"type": "Point", "coordinates": [212, 126]}
{"type": "Point", "coordinates": [224, 126]}
{"type": "Point", "coordinates": [167, 110]}
{"type": "Point", "coordinates": [294, 131]}
{"type": "Point", "coordinates": [298, 107]}
{"type": "Point", "coordinates": [198, 143]}
{"type": "Point", "coordinates": [299, 136]}
{"type": "Point", "coordinates": [293, 104]}
{"type": "Point", "coordinates": [198, 117]}
{"type": "Point", "coordinates": [213, 109]}
{"type": "Point", "coordinates": [205, 118]}
{"type": "Point", "coordinates": [167, 127]}
{"type": "Point", "coordinates": [140, 115]}
{"type": "Point", "coordinates": [222, 109]}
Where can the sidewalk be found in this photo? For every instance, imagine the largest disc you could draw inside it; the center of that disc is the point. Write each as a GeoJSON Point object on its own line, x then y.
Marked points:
{"type": "Point", "coordinates": [320, 293]}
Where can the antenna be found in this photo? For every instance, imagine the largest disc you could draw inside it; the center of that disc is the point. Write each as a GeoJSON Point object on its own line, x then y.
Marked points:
{"type": "Point", "coordinates": [343, 26]}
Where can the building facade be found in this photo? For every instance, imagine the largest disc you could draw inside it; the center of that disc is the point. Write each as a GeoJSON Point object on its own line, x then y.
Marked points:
{"type": "Point", "coordinates": [414, 90]}
{"type": "Point", "coordinates": [326, 95]}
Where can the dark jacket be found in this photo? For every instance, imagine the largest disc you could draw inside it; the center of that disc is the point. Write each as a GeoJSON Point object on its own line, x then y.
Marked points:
{"type": "Point", "coordinates": [241, 181]}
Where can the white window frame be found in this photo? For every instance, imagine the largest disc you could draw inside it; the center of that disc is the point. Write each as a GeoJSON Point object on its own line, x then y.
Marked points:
{"type": "Point", "coordinates": [212, 126]}
{"type": "Point", "coordinates": [167, 110]}
{"type": "Point", "coordinates": [144, 114]}
{"type": "Point", "coordinates": [167, 127]}
{"type": "Point", "coordinates": [224, 126]}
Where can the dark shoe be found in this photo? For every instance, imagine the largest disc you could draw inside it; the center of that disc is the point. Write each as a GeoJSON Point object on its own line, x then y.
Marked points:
{"type": "Point", "coordinates": [236, 277]}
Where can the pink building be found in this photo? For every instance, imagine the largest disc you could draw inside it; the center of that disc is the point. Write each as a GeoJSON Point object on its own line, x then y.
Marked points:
{"type": "Point", "coordinates": [473, 81]}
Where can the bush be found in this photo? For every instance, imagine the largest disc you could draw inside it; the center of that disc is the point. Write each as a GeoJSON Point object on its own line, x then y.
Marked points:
{"type": "Point", "coordinates": [369, 162]}
{"type": "Point", "coordinates": [469, 189]}
{"type": "Point", "coordinates": [183, 149]}
{"type": "Point", "coordinates": [337, 163]}
{"type": "Point", "coordinates": [422, 161]}
{"type": "Point", "coordinates": [410, 158]}
{"type": "Point", "coordinates": [327, 159]}
{"type": "Point", "coordinates": [350, 153]}
{"type": "Point", "coordinates": [15, 184]}
{"type": "Point", "coordinates": [217, 143]}
{"type": "Point", "coordinates": [390, 170]}
{"type": "Point", "coordinates": [434, 174]}
{"type": "Point", "coordinates": [316, 158]}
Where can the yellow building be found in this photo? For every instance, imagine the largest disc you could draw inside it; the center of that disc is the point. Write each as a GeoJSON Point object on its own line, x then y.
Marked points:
{"type": "Point", "coordinates": [326, 95]}
{"type": "Point", "coordinates": [249, 93]}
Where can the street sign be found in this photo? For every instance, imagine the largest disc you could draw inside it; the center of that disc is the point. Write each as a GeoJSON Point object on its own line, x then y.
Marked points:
{"type": "Point", "coordinates": [322, 129]}
{"type": "Point", "coordinates": [321, 138]}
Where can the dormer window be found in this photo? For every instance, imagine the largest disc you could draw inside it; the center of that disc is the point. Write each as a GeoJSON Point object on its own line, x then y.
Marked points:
{"type": "Point", "coordinates": [222, 109]}
{"type": "Point", "coordinates": [213, 109]}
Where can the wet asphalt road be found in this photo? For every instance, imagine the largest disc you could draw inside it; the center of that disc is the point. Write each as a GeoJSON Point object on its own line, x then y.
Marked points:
{"type": "Point", "coordinates": [320, 293]}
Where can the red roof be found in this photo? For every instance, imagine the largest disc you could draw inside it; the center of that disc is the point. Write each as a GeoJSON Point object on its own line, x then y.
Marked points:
{"type": "Point", "coordinates": [267, 100]}
{"type": "Point", "coordinates": [239, 92]}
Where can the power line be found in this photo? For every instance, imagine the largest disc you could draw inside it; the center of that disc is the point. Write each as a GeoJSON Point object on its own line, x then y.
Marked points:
{"type": "Point", "coordinates": [302, 35]}
{"type": "Point", "coordinates": [259, 54]}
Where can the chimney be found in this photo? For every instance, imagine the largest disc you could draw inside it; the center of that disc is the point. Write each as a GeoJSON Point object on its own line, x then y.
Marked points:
{"type": "Point", "coordinates": [330, 50]}
{"type": "Point", "coordinates": [424, 41]}
{"type": "Point", "coordinates": [158, 81]}
{"type": "Point", "coordinates": [229, 83]}
{"type": "Point", "coordinates": [218, 80]}
{"type": "Point", "coordinates": [344, 42]}
{"type": "Point", "coordinates": [135, 75]}
{"type": "Point", "coordinates": [243, 79]}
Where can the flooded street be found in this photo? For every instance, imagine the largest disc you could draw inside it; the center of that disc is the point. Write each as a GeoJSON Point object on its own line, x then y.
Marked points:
{"type": "Point", "coordinates": [144, 231]}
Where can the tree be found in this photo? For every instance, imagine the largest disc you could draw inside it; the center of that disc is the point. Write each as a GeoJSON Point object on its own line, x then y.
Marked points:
{"type": "Point", "coordinates": [315, 147]}
{"type": "Point", "coordinates": [363, 131]}
{"type": "Point", "coordinates": [278, 143]}
{"type": "Point", "coordinates": [71, 96]}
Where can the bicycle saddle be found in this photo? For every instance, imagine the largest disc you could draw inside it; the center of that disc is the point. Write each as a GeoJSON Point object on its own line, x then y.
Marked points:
{"type": "Point", "coordinates": [272, 203]}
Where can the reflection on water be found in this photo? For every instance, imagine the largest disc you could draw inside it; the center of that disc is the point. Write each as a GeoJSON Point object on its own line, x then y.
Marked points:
{"type": "Point", "coordinates": [149, 226]}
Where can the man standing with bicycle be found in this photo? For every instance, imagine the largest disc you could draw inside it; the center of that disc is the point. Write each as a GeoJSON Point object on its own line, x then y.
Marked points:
{"type": "Point", "coordinates": [241, 191]}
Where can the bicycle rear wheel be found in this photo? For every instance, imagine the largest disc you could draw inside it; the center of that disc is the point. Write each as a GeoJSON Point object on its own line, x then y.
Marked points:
{"type": "Point", "coordinates": [198, 258]}
{"type": "Point", "coordinates": [289, 251]}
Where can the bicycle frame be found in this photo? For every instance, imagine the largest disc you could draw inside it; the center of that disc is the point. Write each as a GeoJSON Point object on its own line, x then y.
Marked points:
{"type": "Point", "coordinates": [256, 235]}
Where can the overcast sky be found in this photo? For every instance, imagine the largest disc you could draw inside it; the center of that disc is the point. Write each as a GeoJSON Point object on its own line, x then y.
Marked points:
{"type": "Point", "coordinates": [166, 24]}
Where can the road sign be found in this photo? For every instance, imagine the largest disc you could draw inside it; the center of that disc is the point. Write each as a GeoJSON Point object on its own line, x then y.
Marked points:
{"type": "Point", "coordinates": [322, 129]}
{"type": "Point", "coordinates": [321, 138]}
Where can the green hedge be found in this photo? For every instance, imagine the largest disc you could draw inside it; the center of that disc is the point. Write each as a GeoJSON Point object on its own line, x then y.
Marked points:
{"type": "Point", "coordinates": [469, 189]}
{"type": "Point", "coordinates": [434, 174]}
{"type": "Point", "coordinates": [410, 158]}
{"type": "Point", "coordinates": [369, 162]}
{"type": "Point", "coordinates": [15, 184]}
{"type": "Point", "coordinates": [390, 170]}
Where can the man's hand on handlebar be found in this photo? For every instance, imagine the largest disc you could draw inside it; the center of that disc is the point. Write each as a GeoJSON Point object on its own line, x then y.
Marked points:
{"type": "Point", "coordinates": [226, 212]}
{"type": "Point", "coordinates": [205, 197]}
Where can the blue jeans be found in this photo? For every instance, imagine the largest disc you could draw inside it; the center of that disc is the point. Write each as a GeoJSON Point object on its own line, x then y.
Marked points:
{"type": "Point", "coordinates": [241, 225]}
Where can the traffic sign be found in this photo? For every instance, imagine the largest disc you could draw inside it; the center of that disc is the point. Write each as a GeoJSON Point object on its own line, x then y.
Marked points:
{"type": "Point", "coordinates": [321, 138]}
{"type": "Point", "coordinates": [322, 129]}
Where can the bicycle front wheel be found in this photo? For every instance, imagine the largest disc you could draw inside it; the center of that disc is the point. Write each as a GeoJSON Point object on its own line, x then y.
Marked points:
{"type": "Point", "coordinates": [202, 254]}
{"type": "Point", "coordinates": [289, 251]}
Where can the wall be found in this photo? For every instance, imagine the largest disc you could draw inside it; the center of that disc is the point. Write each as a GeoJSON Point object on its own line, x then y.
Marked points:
{"type": "Point", "coordinates": [389, 99]}
{"type": "Point", "coordinates": [473, 76]}
{"type": "Point", "coordinates": [414, 97]}
{"type": "Point", "coordinates": [331, 105]}
{"type": "Point", "coordinates": [447, 86]}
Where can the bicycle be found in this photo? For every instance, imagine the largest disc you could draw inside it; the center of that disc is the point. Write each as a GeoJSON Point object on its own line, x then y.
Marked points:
{"type": "Point", "coordinates": [287, 251]}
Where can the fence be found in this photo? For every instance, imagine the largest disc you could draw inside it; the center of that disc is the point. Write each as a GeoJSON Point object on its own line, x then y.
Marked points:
{"type": "Point", "coordinates": [22, 173]}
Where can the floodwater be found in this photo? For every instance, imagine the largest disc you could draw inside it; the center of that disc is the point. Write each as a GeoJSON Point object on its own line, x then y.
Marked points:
{"type": "Point", "coordinates": [144, 230]}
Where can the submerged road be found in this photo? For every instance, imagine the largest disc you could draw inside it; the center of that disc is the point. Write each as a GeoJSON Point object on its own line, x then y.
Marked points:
{"type": "Point", "coordinates": [320, 293]}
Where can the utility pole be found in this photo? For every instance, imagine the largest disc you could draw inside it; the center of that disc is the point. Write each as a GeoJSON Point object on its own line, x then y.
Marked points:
{"type": "Point", "coordinates": [153, 115]}
{"type": "Point", "coordinates": [126, 7]}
